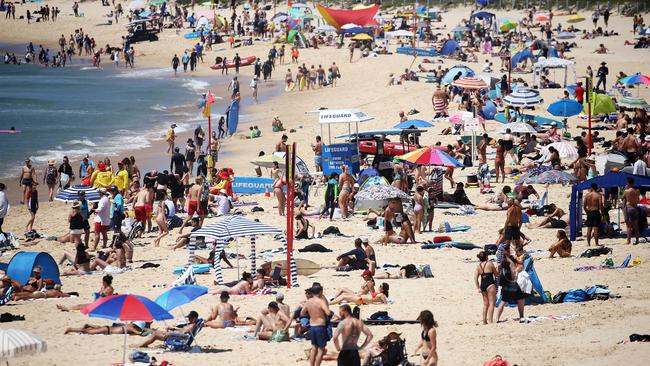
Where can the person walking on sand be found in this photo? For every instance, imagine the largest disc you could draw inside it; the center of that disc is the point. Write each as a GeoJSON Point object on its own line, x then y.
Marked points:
{"type": "Point", "coordinates": [593, 205]}
{"type": "Point", "coordinates": [32, 206]}
{"type": "Point", "coordinates": [26, 179]}
{"type": "Point", "coordinates": [484, 279]}
{"type": "Point", "coordinates": [631, 198]}
{"type": "Point", "coordinates": [186, 60]}
{"type": "Point", "coordinates": [193, 197]}
{"type": "Point", "coordinates": [4, 205]}
{"type": "Point", "coordinates": [277, 187]}
{"type": "Point", "coordinates": [170, 137]}
{"type": "Point", "coordinates": [512, 226]}
{"type": "Point", "coordinates": [428, 339]}
{"type": "Point", "coordinates": [175, 63]}
{"type": "Point", "coordinates": [350, 329]}
{"type": "Point", "coordinates": [102, 219]}
{"type": "Point", "coordinates": [50, 178]}
{"type": "Point", "coordinates": [317, 148]}
{"type": "Point", "coordinates": [318, 311]}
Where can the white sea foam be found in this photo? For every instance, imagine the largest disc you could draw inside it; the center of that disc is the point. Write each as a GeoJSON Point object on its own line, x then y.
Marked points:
{"type": "Point", "coordinates": [158, 107]}
{"type": "Point", "coordinates": [196, 85]}
{"type": "Point", "coordinates": [143, 73]}
{"type": "Point", "coordinates": [85, 142]}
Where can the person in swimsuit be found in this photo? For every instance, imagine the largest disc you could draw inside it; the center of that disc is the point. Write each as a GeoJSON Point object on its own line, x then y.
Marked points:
{"type": "Point", "coordinates": [161, 221]}
{"type": "Point", "coordinates": [273, 324]}
{"type": "Point", "coordinates": [105, 290]}
{"type": "Point", "coordinates": [350, 329]}
{"type": "Point", "coordinates": [162, 335]}
{"type": "Point", "coordinates": [428, 339]}
{"type": "Point", "coordinates": [34, 283]}
{"type": "Point", "coordinates": [631, 197]}
{"type": "Point", "coordinates": [139, 328]}
{"type": "Point", "coordinates": [317, 310]}
{"type": "Point", "coordinates": [345, 183]}
{"type": "Point", "coordinates": [243, 287]}
{"type": "Point", "coordinates": [594, 208]}
{"type": "Point", "coordinates": [193, 207]}
{"type": "Point", "coordinates": [367, 287]}
{"type": "Point", "coordinates": [418, 208]}
{"type": "Point", "coordinates": [562, 246]}
{"type": "Point", "coordinates": [331, 196]}
{"type": "Point", "coordinates": [500, 162]}
{"type": "Point", "coordinates": [226, 314]}
{"type": "Point", "coordinates": [380, 297]}
{"type": "Point", "coordinates": [407, 271]}
{"type": "Point", "coordinates": [302, 228]}
{"type": "Point", "coordinates": [26, 179]}
{"type": "Point", "coordinates": [512, 226]}
{"type": "Point", "coordinates": [510, 291]}
{"type": "Point", "coordinates": [486, 272]}
{"type": "Point", "coordinates": [553, 219]}
{"type": "Point", "coordinates": [277, 187]}
{"type": "Point", "coordinates": [371, 257]}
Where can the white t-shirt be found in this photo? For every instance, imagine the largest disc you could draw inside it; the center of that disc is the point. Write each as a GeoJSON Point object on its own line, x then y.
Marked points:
{"type": "Point", "coordinates": [171, 209]}
{"type": "Point", "coordinates": [223, 204]}
{"type": "Point", "coordinates": [639, 167]}
{"type": "Point", "coordinates": [4, 204]}
{"type": "Point", "coordinates": [103, 211]}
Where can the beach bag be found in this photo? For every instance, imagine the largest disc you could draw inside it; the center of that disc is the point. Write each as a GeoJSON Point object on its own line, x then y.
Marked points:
{"type": "Point", "coordinates": [378, 315]}
{"type": "Point", "coordinates": [595, 252]}
{"type": "Point", "coordinates": [332, 230]}
{"type": "Point", "coordinates": [50, 175]}
{"type": "Point", "coordinates": [426, 271]}
{"type": "Point", "coordinates": [138, 356]}
{"type": "Point", "coordinates": [467, 161]}
{"type": "Point", "coordinates": [559, 297]}
{"type": "Point", "coordinates": [496, 361]}
{"type": "Point", "coordinates": [64, 179]}
{"type": "Point", "coordinates": [577, 295]}
{"type": "Point", "coordinates": [441, 239]}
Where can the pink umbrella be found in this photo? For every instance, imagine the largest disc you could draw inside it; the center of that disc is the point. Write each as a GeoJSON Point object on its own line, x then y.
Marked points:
{"type": "Point", "coordinates": [470, 82]}
{"type": "Point", "coordinates": [458, 118]}
{"type": "Point", "coordinates": [542, 18]}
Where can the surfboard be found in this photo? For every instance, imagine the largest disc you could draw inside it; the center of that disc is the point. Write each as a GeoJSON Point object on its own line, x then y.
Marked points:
{"type": "Point", "coordinates": [198, 268]}
{"type": "Point", "coordinates": [10, 131]}
{"type": "Point", "coordinates": [290, 87]}
{"type": "Point", "coordinates": [304, 267]}
{"type": "Point", "coordinates": [303, 83]}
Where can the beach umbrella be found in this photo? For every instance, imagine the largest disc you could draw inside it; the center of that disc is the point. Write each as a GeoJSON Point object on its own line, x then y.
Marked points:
{"type": "Point", "coordinates": [460, 29]}
{"type": "Point", "coordinates": [547, 177]}
{"type": "Point", "coordinates": [180, 295]}
{"type": "Point", "coordinates": [523, 97]}
{"type": "Point", "coordinates": [489, 109]}
{"type": "Point", "coordinates": [460, 116]}
{"type": "Point", "coordinates": [600, 104]}
{"type": "Point", "coordinates": [575, 18]}
{"type": "Point", "coordinates": [429, 156]}
{"type": "Point", "coordinates": [632, 102]}
{"type": "Point", "coordinates": [208, 14]}
{"type": "Point", "coordinates": [518, 127]}
{"type": "Point", "coordinates": [451, 73]}
{"type": "Point", "coordinates": [566, 35]}
{"type": "Point", "coordinates": [636, 79]}
{"type": "Point", "coordinates": [565, 108]}
{"type": "Point", "coordinates": [298, 5]}
{"type": "Point", "coordinates": [377, 196]}
{"type": "Point", "coordinates": [72, 193]}
{"type": "Point", "coordinates": [236, 226]}
{"type": "Point", "coordinates": [17, 343]}
{"type": "Point", "coordinates": [350, 26]}
{"type": "Point", "coordinates": [362, 37]}
{"type": "Point", "coordinates": [470, 83]}
{"type": "Point", "coordinates": [136, 4]}
{"type": "Point", "coordinates": [377, 180]}
{"type": "Point", "coordinates": [413, 123]}
{"type": "Point", "coordinates": [325, 28]}
{"type": "Point", "coordinates": [542, 18]}
{"type": "Point", "coordinates": [508, 25]}
{"type": "Point", "coordinates": [565, 149]}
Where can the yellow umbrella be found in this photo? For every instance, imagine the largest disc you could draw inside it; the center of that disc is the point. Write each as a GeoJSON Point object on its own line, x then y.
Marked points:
{"type": "Point", "coordinates": [575, 18]}
{"type": "Point", "coordinates": [362, 37]}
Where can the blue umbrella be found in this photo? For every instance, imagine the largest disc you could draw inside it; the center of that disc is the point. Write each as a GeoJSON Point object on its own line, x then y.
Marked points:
{"type": "Point", "coordinates": [413, 123]}
{"type": "Point", "coordinates": [180, 295]}
{"type": "Point", "coordinates": [489, 110]}
{"type": "Point", "coordinates": [72, 193]}
{"type": "Point", "coordinates": [566, 35]}
{"type": "Point", "coordinates": [565, 108]}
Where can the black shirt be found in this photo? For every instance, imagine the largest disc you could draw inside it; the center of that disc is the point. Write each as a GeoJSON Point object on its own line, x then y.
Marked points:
{"type": "Point", "coordinates": [66, 168]}
{"type": "Point", "coordinates": [178, 160]}
{"type": "Point", "coordinates": [148, 179]}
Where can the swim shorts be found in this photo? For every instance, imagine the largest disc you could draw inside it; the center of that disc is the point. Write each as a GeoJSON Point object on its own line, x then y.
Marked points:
{"type": "Point", "coordinates": [594, 219]}
{"type": "Point", "coordinates": [228, 323]}
{"type": "Point", "coordinates": [28, 182]}
{"type": "Point", "coordinates": [192, 208]}
{"type": "Point", "coordinates": [140, 213]}
{"type": "Point", "coordinates": [319, 336]}
{"type": "Point", "coordinates": [348, 357]}
{"type": "Point", "coordinates": [99, 228]}
{"type": "Point", "coordinates": [512, 233]}
{"type": "Point", "coordinates": [632, 214]}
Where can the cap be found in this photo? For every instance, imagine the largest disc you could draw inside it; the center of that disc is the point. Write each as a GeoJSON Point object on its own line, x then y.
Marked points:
{"type": "Point", "coordinates": [364, 240]}
{"type": "Point", "coordinates": [279, 296]}
{"type": "Point", "coordinates": [51, 162]}
{"type": "Point", "coordinates": [120, 163]}
{"type": "Point", "coordinates": [140, 324]}
{"type": "Point", "coordinates": [459, 138]}
{"type": "Point", "coordinates": [223, 191]}
{"type": "Point", "coordinates": [647, 138]}
{"type": "Point", "coordinates": [173, 125]}
{"type": "Point", "coordinates": [603, 63]}
{"type": "Point", "coordinates": [579, 83]}
{"type": "Point", "coordinates": [356, 185]}
{"type": "Point", "coordinates": [393, 330]}
{"type": "Point", "coordinates": [101, 167]}
{"type": "Point", "coordinates": [366, 273]}
{"type": "Point", "coordinates": [114, 189]}
{"type": "Point", "coordinates": [103, 191]}
{"type": "Point", "coordinates": [76, 204]}
{"type": "Point", "coordinates": [553, 123]}
{"type": "Point", "coordinates": [37, 269]}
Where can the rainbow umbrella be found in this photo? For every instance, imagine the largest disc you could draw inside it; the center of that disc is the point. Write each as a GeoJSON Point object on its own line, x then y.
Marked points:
{"type": "Point", "coordinates": [636, 79]}
{"type": "Point", "coordinates": [126, 308]}
{"type": "Point", "coordinates": [470, 82]}
{"type": "Point", "coordinates": [429, 156]}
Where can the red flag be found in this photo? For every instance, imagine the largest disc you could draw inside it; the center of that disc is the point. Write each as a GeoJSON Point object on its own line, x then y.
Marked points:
{"type": "Point", "coordinates": [209, 100]}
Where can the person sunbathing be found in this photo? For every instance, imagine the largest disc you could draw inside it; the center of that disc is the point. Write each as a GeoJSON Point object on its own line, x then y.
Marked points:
{"type": "Point", "coordinates": [407, 271]}
{"type": "Point", "coordinates": [162, 335]}
{"type": "Point", "coordinates": [34, 283]}
{"type": "Point", "coordinates": [135, 328]}
{"type": "Point", "coordinates": [210, 259]}
{"type": "Point", "coordinates": [259, 282]}
{"type": "Point", "coordinates": [273, 324]}
{"type": "Point", "coordinates": [553, 219]}
{"type": "Point", "coordinates": [243, 287]}
{"type": "Point", "coordinates": [54, 293]}
{"type": "Point", "coordinates": [367, 287]}
{"type": "Point", "coordinates": [224, 315]}
{"type": "Point", "coordinates": [562, 246]}
{"type": "Point", "coordinates": [380, 297]}
{"type": "Point", "coordinates": [106, 290]}
{"type": "Point", "coordinates": [81, 263]}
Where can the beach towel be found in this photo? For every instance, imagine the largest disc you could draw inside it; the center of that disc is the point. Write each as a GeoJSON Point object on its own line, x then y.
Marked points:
{"type": "Point", "coordinates": [535, 318]}
{"type": "Point", "coordinates": [451, 229]}
{"type": "Point", "coordinates": [315, 248]}
{"type": "Point", "coordinates": [496, 361]}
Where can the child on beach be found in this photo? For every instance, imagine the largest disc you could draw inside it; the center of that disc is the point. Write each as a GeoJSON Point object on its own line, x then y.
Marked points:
{"type": "Point", "coordinates": [32, 206]}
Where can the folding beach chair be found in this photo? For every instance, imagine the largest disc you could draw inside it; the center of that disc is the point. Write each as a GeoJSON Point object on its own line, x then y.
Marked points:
{"type": "Point", "coordinates": [183, 341]}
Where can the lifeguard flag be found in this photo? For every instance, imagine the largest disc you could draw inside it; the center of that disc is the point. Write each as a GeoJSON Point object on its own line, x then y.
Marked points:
{"type": "Point", "coordinates": [209, 100]}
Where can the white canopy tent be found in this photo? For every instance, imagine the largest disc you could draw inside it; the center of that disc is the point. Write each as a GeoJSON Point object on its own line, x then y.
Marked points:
{"type": "Point", "coordinates": [553, 63]}
{"type": "Point", "coordinates": [335, 116]}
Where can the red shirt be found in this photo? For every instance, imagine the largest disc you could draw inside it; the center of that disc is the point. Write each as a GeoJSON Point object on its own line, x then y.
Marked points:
{"type": "Point", "coordinates": [580, 91]}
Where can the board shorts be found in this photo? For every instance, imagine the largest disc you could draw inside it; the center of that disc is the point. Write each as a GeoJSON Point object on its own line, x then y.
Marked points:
{"type": "Point", "coordinates": [319, 336]}
{"type": "Point", "coordinates": [99, 228]}
{"type": "Point", "coordinates": [512, 233]}
{"type": "Point", "coordinates": [228, 323]}
{"type": "Point", "coordinates": [348, 357]}
{"type": "Point", "coordinates": [140, 213]}
{"type": "Point", "coordinates": [632, 214]}
{"type": "Point", "coordinates": [558, 224]}
{"type": "Point", "coordinates": [28, 182]}
{"type": "Point", "coordinates": [76, 231]}
{"type": "Point", "coordinates": [594, 219]}
{"type": "Point", "coordinates": [193, 207]}
{"type": "Point", "coordinates": [149, 209]}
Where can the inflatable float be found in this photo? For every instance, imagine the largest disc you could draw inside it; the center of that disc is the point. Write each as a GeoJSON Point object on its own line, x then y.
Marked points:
{"type": "Point", "coordinates": [245, 61]}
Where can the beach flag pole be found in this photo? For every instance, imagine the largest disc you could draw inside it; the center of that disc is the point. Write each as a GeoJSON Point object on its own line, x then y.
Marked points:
{"type": "Point", "coordinates": [209, 100]}
{"type": "Point", "coordinates": [290, 160]}
{"type": "Point", "coordinates": [589, 89]}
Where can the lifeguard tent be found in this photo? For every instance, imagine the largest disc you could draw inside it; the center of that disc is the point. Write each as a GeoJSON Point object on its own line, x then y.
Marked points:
{"type": "Point", "coordinates": [22, 264]}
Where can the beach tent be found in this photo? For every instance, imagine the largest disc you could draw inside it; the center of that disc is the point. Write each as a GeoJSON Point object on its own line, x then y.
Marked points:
{"type": "Point", "coordinates": [373, 181]}
{"type": "Point", "coordinates": [354, 30]}
{"type": "Point", "coordinates": [521, 56]}
{"type": "Point", "coordinates": [553, 63]}
{"type": "Point", "coordinates": [538, 296]}
{"type": "Point", "coordinates": [367, 173]}
{"type": "Point", "coordinates": [21, 265]}
{"type": "Point", "coordinates": [609, 180]}
{"type": "Point", "coordinates": [338, 17]}
{"type": "Point", "coordinates": [600, 104]}
{"type": "Point", "coordinates": [450, 47]}
{"type": "Point", "coordinates": [451, 73]}
{"type": "Point", "coordinates": [297, 39]}
{"type": "Point", "coordinates": [491, 19]}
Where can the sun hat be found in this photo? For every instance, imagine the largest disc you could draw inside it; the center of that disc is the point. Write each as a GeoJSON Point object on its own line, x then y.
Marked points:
{"type": "Point", "coordinates": [76, 204]}
{"type": "Point", "coordinates": [51, 162]}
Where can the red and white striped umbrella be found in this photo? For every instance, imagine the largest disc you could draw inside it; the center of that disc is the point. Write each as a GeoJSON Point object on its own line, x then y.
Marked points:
{"type": "Point", "coordinates": [470, 82]}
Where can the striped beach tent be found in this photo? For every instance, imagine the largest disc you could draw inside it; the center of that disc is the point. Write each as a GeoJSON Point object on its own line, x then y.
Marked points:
{"type": "Point", "coordinates": [470, 82]}
{"type": "Point", "coordinates": [72, 193]}
{"type": "Point", "coordinates": [17, 343]}
{"type": "Point", "coordinates": [232, 227]}
{"type": "Point", "coordinates": [523, 97]}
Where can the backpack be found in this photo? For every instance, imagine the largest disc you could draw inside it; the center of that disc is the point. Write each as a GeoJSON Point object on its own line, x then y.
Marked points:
{"type": "Point", "coordinates": [595, 252]}
{"type": "Point", "coordinates": [490, 249]}
{"type": "Point", "coordinates": [394, 354]}
{"type": "Point", "coordinates": [577, 295]}
{"type": "Point", "coordinates": [331, 230]}
{"type": "Point", "coordinates": [50, 175]}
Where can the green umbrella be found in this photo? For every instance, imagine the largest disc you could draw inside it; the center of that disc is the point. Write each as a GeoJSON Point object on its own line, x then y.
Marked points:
{"type": "Point", "coordinates": [600, 104]}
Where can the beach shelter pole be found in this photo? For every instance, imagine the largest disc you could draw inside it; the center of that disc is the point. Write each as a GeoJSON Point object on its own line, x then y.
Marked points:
{"type": "Point", "coordinates": [290, 161]}
{"type": "Point", "coordinates": [589, 89]}
{"type": "Point", "coordinates": [209, 133]}
{"type": "Point", "coordinates": [253, 255]}
{"type": "Point", "coordinates": [216, 262]}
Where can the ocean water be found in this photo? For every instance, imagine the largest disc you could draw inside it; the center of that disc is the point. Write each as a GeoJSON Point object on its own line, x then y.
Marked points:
{"type": "Point", "coordinates": [81, 110]}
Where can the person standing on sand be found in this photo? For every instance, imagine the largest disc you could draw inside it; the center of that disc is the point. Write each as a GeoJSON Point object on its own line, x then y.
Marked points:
{"type": "Point", "coordinates": [318, 311]}
{"type": "Point", "coordinates": [50, 178]}
{"type": "Point", "coordinates": [631, 198]}
{"type": "Point", "coordinates": [317, 148]}
{"type": "Point", "coordinates": [32, 206]}
{"type": "Point", "coordinates": [186, 60]}
{"type": "Point", "coordinates": [177, 162]}
{"type": "Point", "coordinates": [193, 197]}
{"type": "Point", "coordinates": [26, 179]}
{"type": "Point", "coordinates": [66, 175]}
{"type": "Point", "coordinates": [170, 138]}
{"type": "Point", "coordinates": [485, 281]}
{"type": "Point", "coordinates": [277, 187]}
{"type": "Point", "coordinates": [175, 63]}
{"type": "Point", "coordinates": [512, 226]}
{"type": "Point", "coordinates": [4, 205]}
{"type": "Point", "coordinates": [102, 219]}
{"type": "Point", "coordinates": [350, 329]}
{"type": "Point", "coordinates": [237, 61]}
{"type": "Point", "coordinates": [593, 205]}
{"type": "Point", "coordinates": [336, 73]}
{"type": "Point", "coordinates": [428, 339]}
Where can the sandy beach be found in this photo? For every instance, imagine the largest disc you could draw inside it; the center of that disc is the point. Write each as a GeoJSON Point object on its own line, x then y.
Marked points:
{"type": "Point", "coordinates": [587, 333]}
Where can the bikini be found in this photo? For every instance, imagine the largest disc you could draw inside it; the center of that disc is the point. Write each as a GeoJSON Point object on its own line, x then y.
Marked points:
{"type": "Point", "coordinates": [487, 279]}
